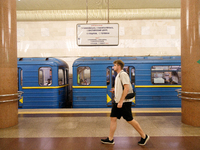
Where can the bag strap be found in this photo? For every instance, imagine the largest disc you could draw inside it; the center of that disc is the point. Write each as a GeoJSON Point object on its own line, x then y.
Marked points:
{"type": "Point", "coordinates": [121, 82]}
{"type": "Point", "coordinates": [123, 85]}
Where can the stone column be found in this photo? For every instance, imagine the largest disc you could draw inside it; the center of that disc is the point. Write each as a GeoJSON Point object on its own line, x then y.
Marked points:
{"type": "Point", "coordinates": [190, 56]}
{"type": "Point", "coordinates": [8, 64]}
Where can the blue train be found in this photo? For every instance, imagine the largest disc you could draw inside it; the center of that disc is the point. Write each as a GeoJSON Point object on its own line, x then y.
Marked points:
{"type": "Point", "coordinates": [44, 82]}
{"type": "Point", "coordinates": [154, 79]}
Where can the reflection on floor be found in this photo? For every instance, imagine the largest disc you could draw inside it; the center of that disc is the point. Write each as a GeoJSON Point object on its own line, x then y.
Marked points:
{"type": "Point", "coordinates": [83, 129]}
{"type": "Point", "coordinates": [93, 143]}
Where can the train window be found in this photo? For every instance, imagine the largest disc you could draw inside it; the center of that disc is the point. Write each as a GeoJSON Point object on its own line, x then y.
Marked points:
{"type": "Point", "coordinates": [21, 78]}
{"type": "Point", "coordinates": [126, 69]}
{"type": "Point", "coordinates": [114, 74]}
{"type": "Point", "coordinates": [166, 74]}
{"type": "Point", "coordinates": [66, 75]}
{"type": "Point", "coordinates": [108, 76]}
{"type": "Point", "coordinates": [83, 76]}
{"type": "Point", "coordinates": [45, 76]}
{"type": "Point", "coordinates": [60, 76]}
{"type": "Point", "coordinates": [133, 76]}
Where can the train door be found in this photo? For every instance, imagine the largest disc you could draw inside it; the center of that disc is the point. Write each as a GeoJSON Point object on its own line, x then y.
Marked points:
{"type": "Point", "coordinates": [110, 84]}
{"type": "Point", "coordinates": [131, 72]}
{"type": "Point", "coordinates": [20, 84]}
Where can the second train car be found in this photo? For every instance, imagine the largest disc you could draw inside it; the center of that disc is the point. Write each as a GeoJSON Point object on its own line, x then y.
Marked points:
{"type": "Point", "coordinates": [154, 79]}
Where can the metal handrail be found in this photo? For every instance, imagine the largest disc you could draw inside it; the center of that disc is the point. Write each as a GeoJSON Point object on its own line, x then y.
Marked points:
{"type": "Point", "coordinates": [9, 94]}
{"type": "Point", "coordinates": [185, 92]}
{"type": "Point", "coordinates": [11, 100]}
{"type": "Point", "coordinates": [189, 98]}
{"type": "Point", "coordinates": [197, 99]}
{"type": "Point", "coordinates": [19, 93]}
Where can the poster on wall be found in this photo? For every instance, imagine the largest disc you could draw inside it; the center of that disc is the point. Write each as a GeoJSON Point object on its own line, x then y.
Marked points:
{"type": "Point", "coordinates": [97, 34]}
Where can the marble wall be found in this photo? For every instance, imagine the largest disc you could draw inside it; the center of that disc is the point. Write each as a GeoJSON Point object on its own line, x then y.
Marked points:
{"type": "Point", "coordinates": [136, 38]}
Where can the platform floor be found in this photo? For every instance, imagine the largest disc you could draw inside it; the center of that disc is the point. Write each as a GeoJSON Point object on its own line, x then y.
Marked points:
{"type": "Point", "coordinates": [82, 129]}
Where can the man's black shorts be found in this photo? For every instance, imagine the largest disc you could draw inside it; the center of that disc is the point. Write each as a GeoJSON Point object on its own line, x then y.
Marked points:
{"type": "Point", "coordinates": [125, 111]}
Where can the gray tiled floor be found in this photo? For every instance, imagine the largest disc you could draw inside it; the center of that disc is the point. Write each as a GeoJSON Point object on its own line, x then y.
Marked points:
{"type": "Point", "coordinates": [96, 127]}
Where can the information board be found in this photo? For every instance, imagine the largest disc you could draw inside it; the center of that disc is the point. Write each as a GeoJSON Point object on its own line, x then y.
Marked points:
{"type": "Point", "coordinates": [97, 34]}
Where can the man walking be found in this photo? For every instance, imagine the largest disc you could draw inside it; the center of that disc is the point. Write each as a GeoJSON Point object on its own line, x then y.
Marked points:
{"type": "Point", "coordinates": [122, 106]}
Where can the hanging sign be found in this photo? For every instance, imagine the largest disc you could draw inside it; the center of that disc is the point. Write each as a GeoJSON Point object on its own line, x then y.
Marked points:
{"type": "Point", "coordinates": [97, 34]}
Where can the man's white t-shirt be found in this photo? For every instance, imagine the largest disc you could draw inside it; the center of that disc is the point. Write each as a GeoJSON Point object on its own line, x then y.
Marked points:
{"type": "Point", "coordinates": [121, 79]}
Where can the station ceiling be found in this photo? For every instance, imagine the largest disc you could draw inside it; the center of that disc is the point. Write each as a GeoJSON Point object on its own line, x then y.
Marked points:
{"type": "Point", "coordinates": [28, 5]}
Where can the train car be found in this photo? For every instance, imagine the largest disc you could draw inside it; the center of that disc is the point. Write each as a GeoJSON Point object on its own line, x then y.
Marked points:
{"type": "Point", "coordinates": [154, 79]}
{"type": "Point", "coordinates": [44, 82]}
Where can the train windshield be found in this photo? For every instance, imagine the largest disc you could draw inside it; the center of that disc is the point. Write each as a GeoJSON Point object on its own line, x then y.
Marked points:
{"type": "Point", "coordinates": [83, 76]}
{"type": "Point", "coordinates": [45, 76]}
{"type": "Point", "coordinates": [61, 77]}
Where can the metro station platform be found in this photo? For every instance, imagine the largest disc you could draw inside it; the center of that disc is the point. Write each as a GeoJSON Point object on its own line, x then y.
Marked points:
{"type": "Point", "coordinates": [82, 129]}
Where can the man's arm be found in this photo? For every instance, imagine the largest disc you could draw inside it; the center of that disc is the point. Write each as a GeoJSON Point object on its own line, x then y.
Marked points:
{"type": "Point", "coordinates": [125, 92]}
{"type": "Point", "coordinates": [112, 90]}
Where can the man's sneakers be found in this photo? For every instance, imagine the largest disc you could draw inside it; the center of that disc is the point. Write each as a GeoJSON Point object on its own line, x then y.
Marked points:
{"type": "Point", "coordinates": [107, 141]}
{"type": "Point", "coordinates": [141, 142]}
{"type": "Point", "coordinates": [144, 141]}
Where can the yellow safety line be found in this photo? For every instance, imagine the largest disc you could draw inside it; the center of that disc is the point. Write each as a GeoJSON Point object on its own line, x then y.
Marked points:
{"type": "Point", "coordinates": [154, 86]}
{"type": "Point", "coordinates": [93, 112]}
{"type": "Point", "coordinates": [67, 112]}
{"type": "Point", "coordinates": [46, 87]}
{"type": "Point", "coordinates": [90, 87]}
{"type": "Point", "coordinates": [137, 86]}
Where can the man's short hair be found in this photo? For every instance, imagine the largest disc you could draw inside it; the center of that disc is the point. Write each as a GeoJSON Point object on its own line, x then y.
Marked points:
{"type": "Point", "coordinates": [119, 62]}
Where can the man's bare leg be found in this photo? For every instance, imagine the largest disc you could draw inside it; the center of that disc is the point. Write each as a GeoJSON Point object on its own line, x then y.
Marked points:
{"type": "Point", "coordinates": [113, 126]}
{"type": "Point", "coordinates": [137, 127]}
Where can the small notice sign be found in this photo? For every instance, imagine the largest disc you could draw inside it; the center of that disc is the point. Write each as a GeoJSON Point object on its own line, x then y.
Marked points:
{"type": "Point", "coordinates": [97, 34]}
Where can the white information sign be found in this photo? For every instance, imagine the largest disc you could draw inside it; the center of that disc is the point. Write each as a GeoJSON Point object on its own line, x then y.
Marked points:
{"type": "Point", "coordinates": [97, 34]}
